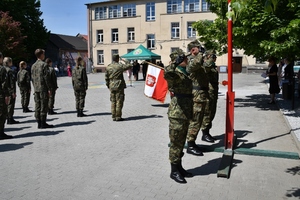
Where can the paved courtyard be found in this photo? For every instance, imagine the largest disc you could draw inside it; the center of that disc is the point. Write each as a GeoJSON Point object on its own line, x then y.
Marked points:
{"type": "Point", "coordinates": [96, 158]}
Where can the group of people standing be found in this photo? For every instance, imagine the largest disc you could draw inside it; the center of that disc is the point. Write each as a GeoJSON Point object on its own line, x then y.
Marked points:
{"type": "Point", "coordinates": [193, 83]}
{"type": "Point", "coordinates": [283, 73]}
{"type": "Point", "coordinates": [44, 81]}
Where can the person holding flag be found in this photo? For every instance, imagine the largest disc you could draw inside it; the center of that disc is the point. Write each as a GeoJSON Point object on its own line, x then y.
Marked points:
{"type": "Point", "coordinates": [179, 113]}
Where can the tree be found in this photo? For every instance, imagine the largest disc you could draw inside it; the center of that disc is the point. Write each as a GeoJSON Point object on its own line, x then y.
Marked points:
{"type": "Point", "coordinates": [11, 37]}
{"type": "Point", "coordinates": [28, 14]}
{"type": "Point", "coordinates": [261, 28]}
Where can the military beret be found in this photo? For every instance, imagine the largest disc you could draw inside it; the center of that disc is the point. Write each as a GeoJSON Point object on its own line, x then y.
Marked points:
{"type": "Point", "coordinates": [176, 53]}
{"type": "Point", "coordinates": [194, 43]}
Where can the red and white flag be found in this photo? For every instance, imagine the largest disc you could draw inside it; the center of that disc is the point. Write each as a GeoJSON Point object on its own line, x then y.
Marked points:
{"type": "Point", "coordinates": [156, 86]}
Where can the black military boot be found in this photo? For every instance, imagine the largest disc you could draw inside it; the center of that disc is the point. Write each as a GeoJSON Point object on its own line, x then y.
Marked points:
{"type": "Point", "coordinates": [3, 136]}
{"type": "Point", "coordinates": [81, 114]}
{"type": "Point", "coordinates": [193, 149]}
{"type": "Point", "coordinates": [78, 113]}
{"type": "Point", "coordinates": [39, 124]}
{"type": "Point", "coordinates": [11, 120]}
{"type": "Point", "coordinates": [176, 175]}
{"type": "Point", "coordinates": [182, 170]}
{"type": "Point", "coordinates": [27, 110]}
{"type": "Point", "coordinates": [207, 137]}
{"type": "Point", "coordinates": [24, 109]}
{"type": "Point", "coordinates": [45, 125]}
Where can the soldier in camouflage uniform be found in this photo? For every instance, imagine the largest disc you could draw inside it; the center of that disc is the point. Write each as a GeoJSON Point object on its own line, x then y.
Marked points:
{"type": "Point", "coordinates": [23, 80]}
{"type": "Point", "coordinates": [4, 98]}
{"type": "Point", "coordinates": [116, 84]}
{"type": "Point", "coordinates": [80, 86]}
{"type": "Point", "coordinates": [180, 111]}
{"type": "Point", "coordinates": [53, 80]}
{"type": "Point", "coordinates": [196, 68]}
{"type": "Point", "coordinates": [42, 88]}
{"type": "Point", "coordinates": [211, 107]}
{"type": "Point", "coordinates": [11, 83]}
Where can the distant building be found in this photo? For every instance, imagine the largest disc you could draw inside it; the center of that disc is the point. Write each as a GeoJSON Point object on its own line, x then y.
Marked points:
{"type": "Point", "coordinates": [119, 26]}
{"type": "Point", "coordinates": [64, 49]}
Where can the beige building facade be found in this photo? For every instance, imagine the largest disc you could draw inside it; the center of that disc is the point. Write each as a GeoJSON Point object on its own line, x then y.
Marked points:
{"type": "Point", "coordinates": [120, 26]}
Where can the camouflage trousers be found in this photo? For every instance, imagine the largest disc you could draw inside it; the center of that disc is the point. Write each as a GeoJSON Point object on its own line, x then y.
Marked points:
{"type": "Point", "coordinates": [210, 110]}
{"type": "Point", "coordinates": [11, 107]}
{"type": "Point", "coordinates": [177, 133]}
{"type": "Point", "coordinates": [3, 112]}
{"type": "Point", "coordinates": [51, 99]}
{"type": "Point", "coordinates": [25, 98]}
{"type": "Point", "coordinates": [196, 122]}
{"type": "Point", "coordinates": [41, 105]}
{"type": "Point", "coordinates": [79, 99]}
{"type": "Point", "coordinates": [117, 100]}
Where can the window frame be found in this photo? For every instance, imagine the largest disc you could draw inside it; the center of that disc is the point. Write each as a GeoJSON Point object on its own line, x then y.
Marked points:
{"type": "Point", "coordinates": [171, 5]}
{"type": "Point", "coordinates": [130, 34]}
{"type": "Point", "coordinates": [191, 30]}
{"type": "Point", "coordinates": [100, 57]}
{"type": "Point", "coordinates": [150, 41]}
{"type": "Point", "coordinates": [100, 36]}
{"type": "Point", "coordinates": [175, 31]}
{"type": "Point", "coordinates": [111, 11]}
{"type": "Point", "coordinates": [131, 7]}
{"type": "Point", "coordinates": [151, 7]}
{"type": "Point", "coordinates": [114, 35]}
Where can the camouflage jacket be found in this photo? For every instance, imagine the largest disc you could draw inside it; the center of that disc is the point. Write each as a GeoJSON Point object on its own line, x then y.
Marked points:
{"type": "Point", "coordinates": [40, 77]}
{"type": "Point", "coordinates": [180, 87]}
{"type": "Point", "coordinates": [79, 78]}
{"type": "Point", "coordinates": [53, 78]}
{"type": "Point", "coordinates": [11, 80]}
{"type": "Point", "coordinates": [23, 80]}
{"type": "Point", "coordinates": [114, 75]}
{"type": "Point", "coordinates": [3, 82]}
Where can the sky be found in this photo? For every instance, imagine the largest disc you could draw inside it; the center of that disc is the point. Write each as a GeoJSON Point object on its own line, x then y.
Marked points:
{"type": "Point", "coordinates": [66, 17]}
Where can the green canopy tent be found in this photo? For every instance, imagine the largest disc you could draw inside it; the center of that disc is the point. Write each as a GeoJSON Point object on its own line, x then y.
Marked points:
{"type": "Point", "coordinates": [141, 53]}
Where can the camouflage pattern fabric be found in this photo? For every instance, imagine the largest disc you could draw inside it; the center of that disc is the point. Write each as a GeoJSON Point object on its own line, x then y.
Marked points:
{"type": "Point", "coordinates": [41, 84]}
{"type": "Point", "coordinates": [80, 85]}
{"type": "Point", "coordinates": [116, 84]}
{"type": "Point", "coordinates": [11, 82]}
{"type": "Point", "coordinates": [53, 80]}
{"type": "Point", "coordinates": [23, 80]}
{"type": "Point", "coordinates": [3, 93]}
{"type": "Point", "coordinates": [180, 110]}
{"type": "Point", "coordinates": [211, 107]}
{"type": "Point", "coordinates": [200, 80]}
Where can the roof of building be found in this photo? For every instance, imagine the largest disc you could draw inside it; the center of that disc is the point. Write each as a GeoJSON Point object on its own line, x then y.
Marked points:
{"type": "Point", "coordinates": [68, 42]}
{"type": "Point", "coordinates": [103, 1]}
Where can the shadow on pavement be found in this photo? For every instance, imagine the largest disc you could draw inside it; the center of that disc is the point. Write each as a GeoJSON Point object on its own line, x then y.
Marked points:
{"type": "Point", "coordinates": [257, 101]}
{"type": "Point", "coordinates": [166, 105]}
{"type": "Point", "coordinates": [67, 112]}
{"type": "Point", "coordinates": [294, 192]}
{"type": "Point", "coordinates": [34, 121]}
{"type": "Point", "coordinates": [73, 124]}
{"type": "Point", "coordinates": [8, 129]}
{"type": "Point", "coordinates": [211, 167]}
{"type": "Point", "coordinates": [98, 114]}
{"type": "Point", "coordinates": [13, 147]}
{"type": "Point", "coordinates": [35, 134]}
{"type": "Point", "coordinates": [143, 117]}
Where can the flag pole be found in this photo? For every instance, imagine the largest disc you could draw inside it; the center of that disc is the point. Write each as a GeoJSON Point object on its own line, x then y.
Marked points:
{"type": "Point", "coordinates": [225, 165]}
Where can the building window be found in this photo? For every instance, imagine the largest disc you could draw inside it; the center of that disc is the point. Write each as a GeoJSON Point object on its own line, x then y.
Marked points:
{"type": "Point", "coordinates": [150, 11]}
{"type": "Point", "coordinates": [101, 13]}
{"type": "Point", "coordinates": [114, 35]}
{"type": "Point", "coordinates": [191, 32]}
{"type": "Point", "coordinates": [114, 11]}
{"type": "Point", "coordinates": [100, 36]}
{"type": "Point", "coordinates": [175, 30]}
{"type": "Point", "coordinates": [114, 52]}
{"type": "Point", "coordinates": [191, 6]}
{"type": "Point", "coordinates": [174, 49]}
{"type": "Point", "coordinates": [129, 10]}
{"type": "Point", "coordinates": [100, 57]}
{"type": "Point", "coordinates": [130, 34]}
{"type": "Point", "coordinates": [174, 6]}
{"type": "Point", "coordinates": [205, 6]}
{"type": "Point", "coordinates": [150, 41]}
{"type": "Point", "coordinates": [129, 50]}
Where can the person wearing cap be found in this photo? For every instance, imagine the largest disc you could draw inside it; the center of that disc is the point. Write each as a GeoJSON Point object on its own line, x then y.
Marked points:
{"type": "Point", "coordinates": [116, 84]}
{"type": "Point", "coordinates": [24, 83]}
{"type": "Point", "coordinates": [4, 98]}
{"type": "Point", "coordinates": [12, 87]}
{"type": "Point", "coordinates": [211, 106]}
{"type": "Point", "coordinates": [179, 113]}
{"type": "Point", "coordinates": [200, 80]}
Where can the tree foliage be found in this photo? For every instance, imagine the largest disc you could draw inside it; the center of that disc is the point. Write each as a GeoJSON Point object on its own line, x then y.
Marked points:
{"type": "Point", "coordinates": [27, 13]}
{"type": "Point", "coordinates": [11, 37]}
{"type": "Point", "coordinates": [261, 28]}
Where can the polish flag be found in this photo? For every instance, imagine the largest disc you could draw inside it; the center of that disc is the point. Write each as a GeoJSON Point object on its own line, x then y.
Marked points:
{"type": "Point", "coordinates": [156, 86]}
